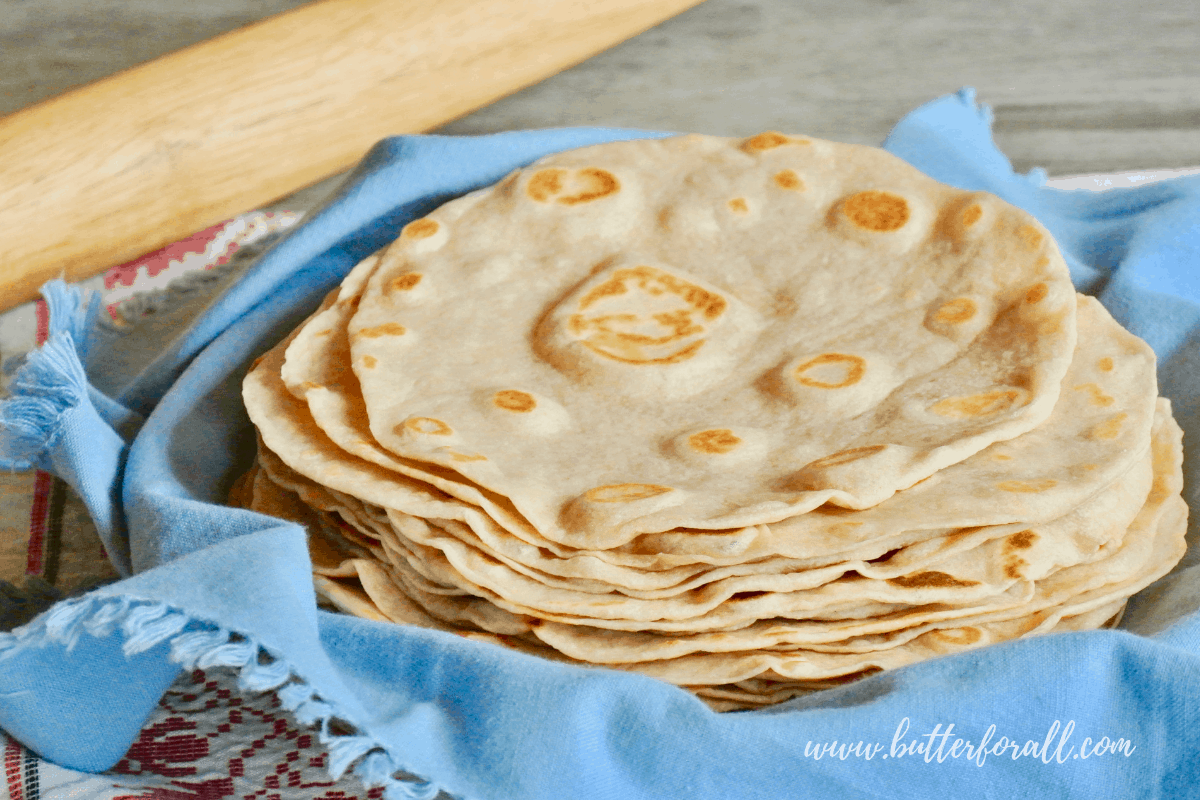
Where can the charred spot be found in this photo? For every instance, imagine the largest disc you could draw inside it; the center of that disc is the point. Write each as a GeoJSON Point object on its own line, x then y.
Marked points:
{"type": "Point", "coordinates": [929, 580]}
{"type": "Point", "coordinates": [1021, 540]}
{"type": "Point", "coordinates": [1013, 568]}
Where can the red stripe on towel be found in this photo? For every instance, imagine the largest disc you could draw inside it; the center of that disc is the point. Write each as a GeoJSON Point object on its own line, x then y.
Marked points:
{"type": "Point", "coordinates": [39, 515]}
{"type": "Point", "coordinates": [12, 770]}
{"type": "Point", "coordinates": [44, 482]}
{"type": "Point", "coordinates": [42, 311]}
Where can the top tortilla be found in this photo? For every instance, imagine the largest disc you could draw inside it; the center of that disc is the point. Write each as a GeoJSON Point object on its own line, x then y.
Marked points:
{"type": "Point", "coordinates": [709, 333]}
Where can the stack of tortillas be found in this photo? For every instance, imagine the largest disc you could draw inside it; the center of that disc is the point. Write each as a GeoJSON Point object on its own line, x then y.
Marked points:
{"type": "Point", "coordinates": [755, 417]}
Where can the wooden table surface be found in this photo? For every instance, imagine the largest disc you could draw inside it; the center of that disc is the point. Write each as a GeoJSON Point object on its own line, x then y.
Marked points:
{"type": "Point", "coordinates": [1077, 86]}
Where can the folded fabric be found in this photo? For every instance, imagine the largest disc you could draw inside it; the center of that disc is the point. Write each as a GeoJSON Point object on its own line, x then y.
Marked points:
{"type": "Point", "coordinates": [1104, 714]}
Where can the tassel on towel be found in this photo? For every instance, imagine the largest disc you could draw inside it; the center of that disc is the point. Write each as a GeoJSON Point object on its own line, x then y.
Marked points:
{"type": "Point", "coordinates": [55, 421]}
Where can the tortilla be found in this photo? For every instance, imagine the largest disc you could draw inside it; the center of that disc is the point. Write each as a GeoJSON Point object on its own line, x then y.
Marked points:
{"type": "Point", "coordinates": [560, 338]}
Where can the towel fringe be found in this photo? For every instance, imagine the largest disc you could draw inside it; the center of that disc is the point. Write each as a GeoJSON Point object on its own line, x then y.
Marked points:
{"type": "Point", "coordinates": [376, 767]}
{"type": "Point", "coordinates": [66, 622]}
{"type": "Point", "coordinates": [145, 630]}
{"type": "Point", "coordinates": [106, 619]}
{"type": "Point", "coordinates": [344, 750]}
{"type": "Point", "coordinates": [264, 677]}
{"type": "Point", "coordinates": [294, 695]}
{"type": "Point", "coordinates": [147, 624]}
{"type": "Point", "coordinates": [312, 712]}
{"type": "Point", "coordinates": [72, 312]}
{"type": "Point", "coordinates": [231, 654]}
{"type": "Point", "coordinates": [49, 383]}
{"type": "Point", "coordinates": [187, 648]}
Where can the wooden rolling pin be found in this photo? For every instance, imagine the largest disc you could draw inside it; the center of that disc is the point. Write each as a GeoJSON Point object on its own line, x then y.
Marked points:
{"type": "Point", "coordinates": [126, 165]}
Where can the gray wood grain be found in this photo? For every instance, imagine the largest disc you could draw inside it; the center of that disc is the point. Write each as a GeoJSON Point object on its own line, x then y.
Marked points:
{"type": "Point", "coordinates": [1077, 86]}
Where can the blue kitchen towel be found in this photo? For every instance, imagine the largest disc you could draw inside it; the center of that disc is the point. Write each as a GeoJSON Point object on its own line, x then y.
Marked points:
{"type": "Point", "coordinates": [1101, 714]}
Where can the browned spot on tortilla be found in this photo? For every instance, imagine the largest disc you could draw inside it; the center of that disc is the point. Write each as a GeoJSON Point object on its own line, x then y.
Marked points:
{"type": "Point", "coordinates": [1012, 568]}
{"type": "Point", "coordinates": [1037, 293]}
{"type": "Point", "coordinates": [1109, 429]}
{"type": "Point", "coordinates": [307, 385]}
{"type": "Point", "coordinates": [545, 184]}
{"type": "Point", "coordinates": [845, 457]}
{"type": "Point", "coordinates": [1097, 396]}
{"type": "Point", "coordinates": [589, 183]}
{"type": "Point", "coordinates": [971, 215]}
{"type": "Point", "coordinates": [958, 635]}
{"type": "Point", "coordinates": [738, 205]}
{"type": "Point", "coordinates": [674, 358]}
{"type": "Point", "coordinates": [420, 229]}
{"type": "Point", "coordinates": [876, 211]}
{"type": "Point", "coordinates": [625, 492]}
{"type": "Point", "coordinates": [929, 580]}
{"type": "Point", "coordinates": [325, 332]}
{"type": "Point", "coordinates": [977, 405]}
{"type": "Point", "coordinates": [1030, 235]}
{"type": "Point", "coordinates": [767, 140]}
{"type": "Point", "coordinates": [664, 218]}
{"type": "Point", "coordinates": [513, 400]}
{"type": "Point", "coordinates": [958, 310]}
{"type": "Point", "coordinates": [853, 369]}
{"type": "Point", "coordinates": [578, 324]}
{"type": "Point", "coordinates": [597, 183]}
{"type": "Point", "coordinates": [1105, 364]}
{"type": "Point", "coordinates": [1001, 457]}
{"type": "Point", "coordinates": [654, 281]}
{"type": "Point", "coordinates": [610, 288]}
{"type": "Point", "coordinates": [405, 282]}
{"type": "Point", "coordinates": [717, 440]}
{"type": "Point", "coordinates": [1021, 540]}
{"type": "Point", "coordinates": [386, 329]}
{"type": "Point", "coordinates": [1027, 487]}
{"type": "Point", "coordinates": [427, 425]}
{"type": "Point", "coordinates": [951, 539]}
{"type": "Point", "coordinates": [370, 362]}
{"type": "Point", "coordinates": [787, 179]}
{"type": "Point", "coordinates": [1160, 490]}
{"type": "Point", "coordinates": [457, 456]}
{"type": "Point", "coordinates": [626, 332]}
